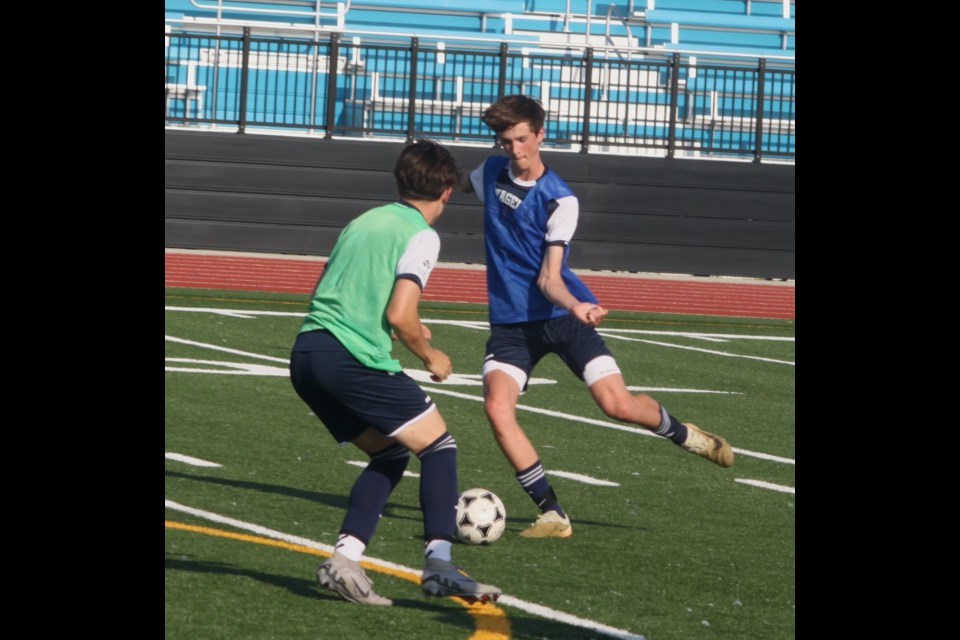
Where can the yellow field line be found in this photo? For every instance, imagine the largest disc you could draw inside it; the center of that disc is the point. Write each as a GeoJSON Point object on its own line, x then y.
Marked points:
{"type": "Point", "coordinates": [491, 621]}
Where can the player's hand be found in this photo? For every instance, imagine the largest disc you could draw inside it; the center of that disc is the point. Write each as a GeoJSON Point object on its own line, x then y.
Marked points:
{"type": "Point", "coordinates": [596, 315]}
{"type": "Point", "coordinates": [439, 366]}
{"type": "Point", "coordinates": [589, 313]}
{"type": "Point", "coordinates": [426, 332]}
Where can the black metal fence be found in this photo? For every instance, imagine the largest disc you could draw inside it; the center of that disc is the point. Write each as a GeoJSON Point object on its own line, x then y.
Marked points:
{"type": "Point", "coordinates": [595, 98]}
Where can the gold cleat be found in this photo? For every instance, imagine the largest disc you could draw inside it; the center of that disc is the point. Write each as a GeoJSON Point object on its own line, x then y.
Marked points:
{"type": "Point", "coordinates": [549, 525]}
{"type": "Point", "coordinates": [706, 445]}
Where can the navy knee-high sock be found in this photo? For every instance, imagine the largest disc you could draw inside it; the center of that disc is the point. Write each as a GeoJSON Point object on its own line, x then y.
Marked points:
{"type": "Point", "coordinates": [371, 490]}
{"type": "Point", "coordinates": [671, 428]}
{"type": "Point", "coordinates": [438, 488]}
{"type": "Point", "coordinates": [534, 482]}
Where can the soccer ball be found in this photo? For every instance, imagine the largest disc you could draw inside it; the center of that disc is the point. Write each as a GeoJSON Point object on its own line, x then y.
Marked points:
{"type": "Point", "coordinates": [481, 517]}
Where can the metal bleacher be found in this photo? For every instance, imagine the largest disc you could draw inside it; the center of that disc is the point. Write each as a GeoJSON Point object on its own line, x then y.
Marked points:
{"type": "Point", "coordinates": [432, 66]}
{"type": "Point", "coordinates": [337, 87]}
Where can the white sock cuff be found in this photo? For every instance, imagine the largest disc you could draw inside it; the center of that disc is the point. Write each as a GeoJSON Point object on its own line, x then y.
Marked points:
{"type": "Point", "coordinates": [439, 549]}
{"type": "Point", "coordinates": [350, 547]}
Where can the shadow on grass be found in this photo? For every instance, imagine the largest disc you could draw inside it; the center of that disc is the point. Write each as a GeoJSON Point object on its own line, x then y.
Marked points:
{"type": "Point", "coordinates": [296, 586]}
{"type": "Point", "coordinates": [523, 626]}
{"type": "Point", "coordinates": [519, 524]}
{"type": "Point", "coordinates": [329, 499]}
{"type": "Point", "coordinates": [392, 509]}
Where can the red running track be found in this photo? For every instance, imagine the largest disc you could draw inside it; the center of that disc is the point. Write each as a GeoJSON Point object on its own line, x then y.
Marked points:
{"type": "Point", "coordinates": [450, 284]}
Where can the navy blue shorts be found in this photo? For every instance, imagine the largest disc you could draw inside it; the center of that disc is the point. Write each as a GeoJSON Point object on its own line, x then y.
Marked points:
{"type": "Point", "coordinates": [348, 396]}
{"type": "Point", "coordinates": [524, 345]}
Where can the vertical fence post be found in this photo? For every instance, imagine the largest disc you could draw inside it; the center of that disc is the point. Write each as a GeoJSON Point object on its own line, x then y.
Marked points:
{"type": "Point", "coordinates": [502, 80]}
{"type": "Point", "coordinates": [314, 81]}
{"type": "Point", "coordinates": [166, 89]}
{"type": "Point", "coordinates": [332, 84]}
{"type": "Point", "coordinates": [587, 101]}
{"type": "Point", "coordinates": [412, 107]}
{"type": "Point", "coordinates": [674, 105]}
{"type": "Point", "coordinates": [216, 79]}
{"type": "Point", "coordinates": [761, 72]}
{"type": "Point", "coordinates": [244, 81]}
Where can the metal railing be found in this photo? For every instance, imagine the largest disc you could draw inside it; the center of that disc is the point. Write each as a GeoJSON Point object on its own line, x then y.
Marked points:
{"type": "Point", "coordinates": [596, 100]}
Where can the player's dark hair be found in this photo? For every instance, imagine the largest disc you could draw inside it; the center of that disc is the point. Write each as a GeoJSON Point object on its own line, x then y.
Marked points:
{"type": "Point", "coordinates": [424, 170]}
{"type": "Point", "coordinates": [509, 111]}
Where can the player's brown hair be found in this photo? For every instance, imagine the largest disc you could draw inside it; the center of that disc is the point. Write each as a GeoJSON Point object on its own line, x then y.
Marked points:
{"type": "Point", "coordinates": [424, 170]}
{"type": "Point", "coordinates": [510, 111]}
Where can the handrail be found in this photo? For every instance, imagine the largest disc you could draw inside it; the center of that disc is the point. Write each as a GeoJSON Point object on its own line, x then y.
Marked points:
{"type": "Point", "coordinates": [630, 110]}
{"type": "Point", "coordinates": [722, 54]}
{"type": "Point", "coordinates": [542, 47]}
{"type": "Point", "coordinates": [228, 22]}
{"type": "Point", "coordinates": [586, 38]}
{"type": "Point", "coordinates": [316, 13]}
{"type": "Point", "coordinates": [612, 8]}
{"type": "Point", "coordinates": [450, 11]}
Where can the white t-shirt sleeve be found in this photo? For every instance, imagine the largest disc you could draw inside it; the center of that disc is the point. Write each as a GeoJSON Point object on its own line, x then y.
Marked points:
{"type": "Point", "coordinates": [418, 261]}
{"type": "Point", "coordinates": [476, 179]}
{"type": "Point", "coordinates": [563, 221]}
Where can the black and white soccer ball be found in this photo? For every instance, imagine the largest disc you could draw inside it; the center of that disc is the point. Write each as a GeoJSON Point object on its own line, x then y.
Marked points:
{"type": "Point", "coordinates": [481, 517]}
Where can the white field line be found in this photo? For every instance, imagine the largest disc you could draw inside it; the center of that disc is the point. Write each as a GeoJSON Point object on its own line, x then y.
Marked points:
{"type": "Point", "coordinates": [582, 478]}
{"type": "Point", "coordinates": [529, 607]}
{"type": "Point", "coordinates": [711, 351]}
{"type": "Point", "coordinates": [610, 333]}
{"type": "Point", "coordinates": [226, 350]}
{"type": "Point", "coordinates": [603, 423]}
{"type": "Point", "coordinates": [767, 485]}
{"type": "Point", "coordinates": [197, 462]}
{"type": "Point", "coordinates": [482, 324]}
{"type": "Point", "coordinates": [556, 414]}
{"type": "Point", "coordinates": [459, 379]}
{"type": "Point", "coordinates": [363, 465]}
{"type": "Point", "coordinates": [229, 368]}
{"type": "Point", "coordinates": [466, 324]}
{"type": "Point", "coordinates": [238, 313]}
{"type": "Point", "coordinates": [455, 379]}
{"type": "Point", "coordinates": [566, 618]}
{"type": "Point", "coordinates": [561, 474]}
{"type": "Point", "coordinates": [463, 379]}
{"type": "Point", "coordinates": [692, 336]}
{"type": "Point", "coordinates": [676, 390]}
{"type": "Point", "coordinates": [723, 337]}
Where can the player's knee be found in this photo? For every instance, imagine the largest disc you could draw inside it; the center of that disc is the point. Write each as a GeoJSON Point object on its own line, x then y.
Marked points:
{"type": "Point", "coordinates": [393, 455]}
{"type": "Point", "coordinates": [618, 407]}
{"type": "Point", "coordinates": [445, 442]}
{"type": "Point", "coordinates": [499, 411]}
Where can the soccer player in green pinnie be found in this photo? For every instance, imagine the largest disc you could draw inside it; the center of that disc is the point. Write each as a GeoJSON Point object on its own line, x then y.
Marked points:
{"type": "Point", "coordinates": [341, 366]}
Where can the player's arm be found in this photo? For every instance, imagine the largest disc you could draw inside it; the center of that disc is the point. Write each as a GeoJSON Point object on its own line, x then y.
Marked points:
{"type": "Point", "coordinates": [555, 290]}
{"type": "Point", "coordinates": [404, 316]}
{"type": "Point", "coordinates": [413, 272]}
{"type": "Point", "coordinates": [561, 225]}
{"type": "Point", "coordinates": [426, 333]}
{"type": "Point", "coordinates": [473, 182]}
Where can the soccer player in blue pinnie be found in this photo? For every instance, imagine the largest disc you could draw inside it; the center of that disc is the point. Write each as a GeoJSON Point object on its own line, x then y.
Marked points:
{"type": "Point", "coordinates": [539, 306]}
{"type": "Point", "coordinates": [341, 366]}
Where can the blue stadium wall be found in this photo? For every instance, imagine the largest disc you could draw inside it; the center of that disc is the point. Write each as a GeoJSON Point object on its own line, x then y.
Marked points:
{"type": "Point", "coordinates": [293, 195]}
